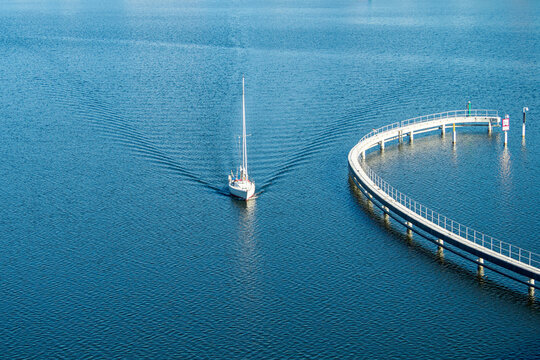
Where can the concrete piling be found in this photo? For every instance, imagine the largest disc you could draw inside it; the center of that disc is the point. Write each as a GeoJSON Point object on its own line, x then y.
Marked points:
{"type": "Point", "coordinates": [411, 136]}
{"type": "Point", "coordinates": [409, 229]}
{"type": "Point", "coordinates": [440, 249]}
{"type": "Point", "coordinates": [531, 288]}
{"type": "Point", "coordinates": [480, 271]}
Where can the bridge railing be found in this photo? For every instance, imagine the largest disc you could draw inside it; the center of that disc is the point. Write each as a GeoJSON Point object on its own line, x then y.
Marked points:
{"type": "Point", "coordinates": [432, 117]}
{"type": "Point", "coordinates": [486, 241]}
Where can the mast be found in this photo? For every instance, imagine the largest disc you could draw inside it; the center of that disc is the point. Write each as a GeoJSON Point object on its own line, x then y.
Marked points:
{"type": "Point", "coordinates": [244, 145]}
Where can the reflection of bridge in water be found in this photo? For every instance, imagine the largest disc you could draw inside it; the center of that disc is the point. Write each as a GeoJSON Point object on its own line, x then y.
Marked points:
{"type": "Point", "coordinates": [502, 257]}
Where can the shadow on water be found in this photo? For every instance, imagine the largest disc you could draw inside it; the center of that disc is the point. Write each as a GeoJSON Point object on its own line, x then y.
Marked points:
{"type": "Point", "coordinates": [466, 274]}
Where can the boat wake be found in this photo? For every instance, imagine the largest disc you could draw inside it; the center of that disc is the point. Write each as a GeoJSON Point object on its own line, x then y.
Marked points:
{"type": "Point", "coordinates": [337, 129]}
{"type": "Point", "coordinates": [97, 112]}
{"type": "Point", "coordinates": [90, 103]}
{"type": "Point", "coordinates": [318, 142]}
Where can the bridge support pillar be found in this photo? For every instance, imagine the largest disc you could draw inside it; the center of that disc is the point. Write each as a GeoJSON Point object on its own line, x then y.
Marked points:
{"type": "Point", "coordinates": [480, 267]}
{"type": "Point", "coordinates": [409, 229]}
{"type": "Point", "coordinates": [531, 288]}
{"type": "Point", "coordinates": [443, 129]}
{"type": "Point", "coordinates": [454, 135]}
{"type": "Point", "coordinates": [411, 136]}
{"type": "Point", "coordinates": [382, 144]}
{"type": "Point", "coordinates": [400, 136]}
{"type": "Point", "coordinates": [440, 249]}
{"type": "Point", "coordinates": [489, 127]}
{"type": "Point", "coordinates": [363, 154]}
{"type": "Point", "coordinates": [386, 216]}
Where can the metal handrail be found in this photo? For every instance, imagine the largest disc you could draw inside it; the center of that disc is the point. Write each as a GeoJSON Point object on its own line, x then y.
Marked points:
{"type": "Point", "coordinates": [489, 242]}
{"type": "Point", "coordinates": [431, 117]}
{"type": "Point", "coordinates": [486, 241]}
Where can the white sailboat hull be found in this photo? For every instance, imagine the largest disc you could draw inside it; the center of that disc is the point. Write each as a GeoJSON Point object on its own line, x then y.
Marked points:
{"type": "Point", "coordinates": [243, 189]}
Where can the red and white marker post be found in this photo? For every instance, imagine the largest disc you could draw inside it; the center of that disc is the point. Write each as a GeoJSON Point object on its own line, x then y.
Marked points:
{"type": "Point", "coordinates": [505, 128]}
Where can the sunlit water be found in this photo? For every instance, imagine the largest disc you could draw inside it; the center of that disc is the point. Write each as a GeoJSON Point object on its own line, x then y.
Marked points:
{"type": "Point", "coordinates": [119, 127]}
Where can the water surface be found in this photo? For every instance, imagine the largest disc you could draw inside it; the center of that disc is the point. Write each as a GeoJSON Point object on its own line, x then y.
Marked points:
{"type": "Point", "coordinates": [119, 127]}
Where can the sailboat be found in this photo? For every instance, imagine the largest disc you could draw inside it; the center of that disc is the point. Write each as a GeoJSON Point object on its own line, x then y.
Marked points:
{"type": "Point", "coordinates": [239, 184]}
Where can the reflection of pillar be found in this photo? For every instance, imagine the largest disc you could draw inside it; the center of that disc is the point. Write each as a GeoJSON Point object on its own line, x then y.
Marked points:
{"type": "Point", "coordinates": [505, 166]}
{"type": "Point", "coordinates": [531, 288]}
{"type": "Point", "coordinates": [480, 267]}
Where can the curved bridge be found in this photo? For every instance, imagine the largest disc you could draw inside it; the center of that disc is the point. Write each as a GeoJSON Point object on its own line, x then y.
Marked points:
{"type": "Point", "coordinates": [417, 216]}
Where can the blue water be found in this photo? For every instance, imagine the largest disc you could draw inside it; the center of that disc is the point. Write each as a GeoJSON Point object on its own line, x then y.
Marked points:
{"type": "Point", "coordinates": [119, 127]}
